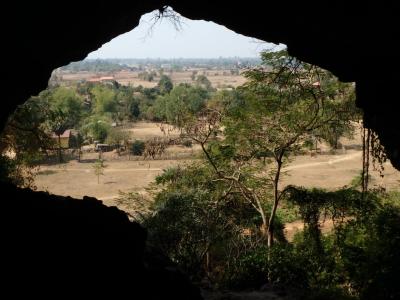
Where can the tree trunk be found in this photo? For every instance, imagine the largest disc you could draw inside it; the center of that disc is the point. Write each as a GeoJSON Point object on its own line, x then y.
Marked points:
{"type": "Point", "coordinates": [276, 202]}
{"type": "Point", "coordinates": [264, 225]}
{"type": "Point", "coordinates": [270, 233]}
{"type": "Point", "coordinates": [59, 149]}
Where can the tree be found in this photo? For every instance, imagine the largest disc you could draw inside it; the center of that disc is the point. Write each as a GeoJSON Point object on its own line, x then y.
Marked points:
{"type": "Point", "coordinates": [105, 102]}
{"type": "Point", "coordinates": [195, 221]}
{"type": "Point", "coordinates": [262, 125]}
{"type": "Point", "coordinates": [25, 133]}
{"type": "Point", "coordinates": [181, 103]}
{"type": "Point", "coordinates": [99, 167]}
{"type": "Point", "coordinates": [203, 81]}
{"type": "Point", "coordinates": [291, 101]}
{"type": "Point", "coordinates": [68, 102]}
{"type": "Point", "coordinates": [133, 109]}
{"type": "Point", "coordinates": [75, 142]}
{"type": "Point", "coordinates": [147, 76]}
{"type": "Point", "coordinates": [58, 122]}
{"type": "Point", "coordinates": [165, 84]}
{"type": "Point", "coordinates": [65, 112]}
{"type": "Point", "coordinates": [96, 127]}
{"type": "Point", "coordinates": [118, 137]}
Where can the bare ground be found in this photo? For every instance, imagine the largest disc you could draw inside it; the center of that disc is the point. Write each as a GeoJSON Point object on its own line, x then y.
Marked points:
{"type": "Point", "coordinates": [76, 179]}
{"type": "Point", "coordinates": [217, 78]}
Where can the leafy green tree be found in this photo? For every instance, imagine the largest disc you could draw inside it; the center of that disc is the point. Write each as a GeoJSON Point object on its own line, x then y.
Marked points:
{"type": "Point", "coordinates": [96, 127]}
{"type": "Point", "coordinates": [58, 123]}
{"type": "Point", "coordinates": [65, 111]}
{"type": "Point", "coordinates": [105, 102]}
{"type": "Point", "coordinates": [25, 133]}
{"type": "Point", "coordinates": [269, 118]}
{"type": "Point", "coordinates": [165, 84]}
{"type": "Point", "coordinates": [134, 109]}
{"type": "Point", "coordinates": [204, 82]}
{"type": "Point", "coordinates": [291, 100]}
{"type": "Point", "coordinates": [180, 104]}
{"type": "Point", "coordinates": [196, 219]}
{"type": "Point", "coordinates": [28, 132]}
{"type": "Point", "coordinates": [67, 102]}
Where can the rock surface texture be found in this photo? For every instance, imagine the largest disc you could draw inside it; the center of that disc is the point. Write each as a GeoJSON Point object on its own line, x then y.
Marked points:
{"type": "Point", "coordinates": [55, 246]}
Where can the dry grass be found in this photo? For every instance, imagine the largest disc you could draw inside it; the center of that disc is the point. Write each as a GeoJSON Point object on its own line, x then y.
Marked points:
{"type": "Point", "coordinates": [76, 179]}
{"type": "Point", "coordinates": [148, 130]}
{"type": "Point", "coordinates": [217, 78]}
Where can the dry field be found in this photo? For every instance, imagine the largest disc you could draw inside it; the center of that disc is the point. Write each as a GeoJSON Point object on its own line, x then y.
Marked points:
{"type": "Point", "coordinates": [218, 78]}
{"type": "Point", "coordinates": [78, 179]}
{"type": "Point", "coordinates": [149, 130]}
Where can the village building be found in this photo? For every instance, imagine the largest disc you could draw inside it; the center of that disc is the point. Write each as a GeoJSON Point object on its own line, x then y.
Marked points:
{"type": "Point", "coordinates": [67, 139]}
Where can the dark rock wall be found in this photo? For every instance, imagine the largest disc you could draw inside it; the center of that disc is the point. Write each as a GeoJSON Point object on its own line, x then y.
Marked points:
{"type": "Point", "coordinates": [56, 247]}
{"type": "Point", "coordinates": [52, 246]}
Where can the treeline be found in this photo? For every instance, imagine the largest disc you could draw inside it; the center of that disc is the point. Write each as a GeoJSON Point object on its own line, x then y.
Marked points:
{"type": "Point", "coordinates": [98, 65]}
{"type": "Point", "coordinates": [110, 65]}
{"type": "Point", "coordinates": [94, 112]}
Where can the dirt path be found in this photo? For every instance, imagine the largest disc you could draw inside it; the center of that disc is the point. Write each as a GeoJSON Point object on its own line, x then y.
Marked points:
{"type": "Point", "coordinates": [332, 161]}
{"type": "Point", "coordinates": [77, 179]}
{"type": "Point", "coordinates": [107, 169]}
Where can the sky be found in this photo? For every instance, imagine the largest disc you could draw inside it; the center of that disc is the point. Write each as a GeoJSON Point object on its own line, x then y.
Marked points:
{"type": "Point", "coordinates": [194, 39]}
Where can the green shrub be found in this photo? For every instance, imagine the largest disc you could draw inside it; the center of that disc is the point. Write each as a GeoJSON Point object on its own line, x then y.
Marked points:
{"type": "Point", "coordinates": [250, 270]}
{"type": "Point", "coordinates": [369, 254]}
{"type": "Point", "coordinates": [187, 143]}
{"type": "Point", "coordinates": [137, 147]}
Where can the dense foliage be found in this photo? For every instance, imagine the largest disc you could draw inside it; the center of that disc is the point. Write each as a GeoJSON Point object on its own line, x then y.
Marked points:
{"type": "Point", "coordinates": [213, 234]}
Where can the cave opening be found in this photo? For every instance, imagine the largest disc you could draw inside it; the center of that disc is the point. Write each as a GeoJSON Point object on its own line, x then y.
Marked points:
{"type": "Point", "coordinates": [130, 135]}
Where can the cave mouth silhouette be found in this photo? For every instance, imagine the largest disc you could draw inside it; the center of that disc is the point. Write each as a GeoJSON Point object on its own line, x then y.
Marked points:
{"type": "Point", "coordinates": [57, 245]}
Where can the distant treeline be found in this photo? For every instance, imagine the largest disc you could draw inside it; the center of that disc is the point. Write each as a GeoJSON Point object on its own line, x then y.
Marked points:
{"type": "Point", "coordinates": [96, 65]}
{"type": "Point", "coordinates": [117, 64]}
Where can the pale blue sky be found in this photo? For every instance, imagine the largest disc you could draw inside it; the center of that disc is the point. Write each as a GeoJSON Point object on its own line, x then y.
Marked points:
{"type": "Point", "coordinates": [195, 39]}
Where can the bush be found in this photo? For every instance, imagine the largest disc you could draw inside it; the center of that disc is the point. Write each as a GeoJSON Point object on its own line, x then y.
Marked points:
{"type": "Point", "coordinates": [369, 251]}
{"type": "Point", "coordinates": [137, 147]}
{"type": "Point", "coordinates": [18, 171]}
{"type": "Point", "coordinates": [187, 143]}
{"type": "Point", "coordinates": [250, 270]}
{"type": "Point", "coordinates": [183, 231]}
{"type": "Point", "coordinates": [221, 240]}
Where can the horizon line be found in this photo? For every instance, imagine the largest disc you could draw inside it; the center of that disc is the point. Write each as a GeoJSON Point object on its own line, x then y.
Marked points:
{"type": "Point", "coordinates": [219, 57]}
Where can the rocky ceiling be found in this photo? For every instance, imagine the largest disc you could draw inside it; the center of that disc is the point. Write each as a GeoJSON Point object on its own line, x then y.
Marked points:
{"type": "Point", "coordinates": [355, 40]}
{"type": "Point", "coordinates": [57, 245]}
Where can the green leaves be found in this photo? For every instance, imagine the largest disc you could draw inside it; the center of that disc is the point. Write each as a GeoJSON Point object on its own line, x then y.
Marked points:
{"type": "Point", "coordinates": [104, 99]}
{"type": "Point", "coordinates": [165, 84]}
{"type": "Point", "coordinates": [181, 104]}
